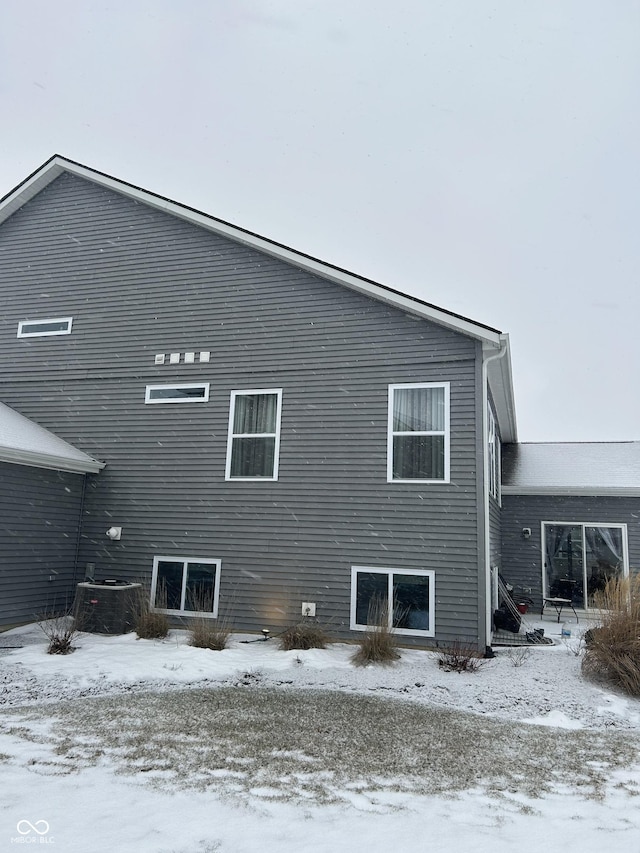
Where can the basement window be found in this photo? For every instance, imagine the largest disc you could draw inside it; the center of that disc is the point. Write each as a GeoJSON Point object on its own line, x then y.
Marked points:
{"type": "Point", "coordinates": [189, 393]}
{"type": "Point", "coordinates": [401, 600]}
{"type": "Point", "coordinates": [182, 585]}
{"type": "Point", "coordinates": [44, 328]}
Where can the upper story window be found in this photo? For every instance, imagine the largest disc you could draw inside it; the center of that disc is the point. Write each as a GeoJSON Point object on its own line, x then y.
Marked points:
{"type": "Point", "coordinates": [493, 450]}
{"type": "Point", "coordinates": [254, 435]}
{"type": "Point", "coordinates": [184, 393]}
{"type": "Point", "coordinates": [418, 434]}
{"type": "Point", "coordinates": [44, 328]}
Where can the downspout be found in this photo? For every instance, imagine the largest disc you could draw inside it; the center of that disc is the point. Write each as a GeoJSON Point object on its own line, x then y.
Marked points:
{"type": "Point", "coordinates": [485, 487]}
{"type": "Point", "coordinates": [79, 532]}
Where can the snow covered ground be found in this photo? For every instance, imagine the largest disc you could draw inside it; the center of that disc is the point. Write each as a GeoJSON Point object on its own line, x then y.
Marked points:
{"type": "Point", "coordinates": [155, 746]}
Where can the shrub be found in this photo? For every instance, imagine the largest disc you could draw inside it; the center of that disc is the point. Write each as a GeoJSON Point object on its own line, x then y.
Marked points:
{"type": "Point", "coordinates": [61, 630]}
{"type": "Point", "coordinates": [379, 643]}
{"type": "Point", "coordinates": [151, 625]}
{"type": "Point", "coordinates": [205, 631]}
{"type": "Point", "coordinates": [208, 634]}
{"type": "Point", "coordinates": [304, 635]}
{"type": "Point", "coordinates": [460, 658]}
{"type": "Point", "coordinates": [612, 651]}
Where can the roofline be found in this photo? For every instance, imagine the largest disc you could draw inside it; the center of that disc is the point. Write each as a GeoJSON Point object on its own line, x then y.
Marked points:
{"type": "Point", "coordinates": [57, 164]}
{"type": "Point", "coordinates": [34, 459]}
{"type": "Point", "coordinates": [501, 385]}
{"type": "Point", "coordinates": [577, 491]}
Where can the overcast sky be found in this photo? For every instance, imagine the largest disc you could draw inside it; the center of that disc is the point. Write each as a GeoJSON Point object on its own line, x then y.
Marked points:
{"type": "Point", "coordinates": [483, 156]}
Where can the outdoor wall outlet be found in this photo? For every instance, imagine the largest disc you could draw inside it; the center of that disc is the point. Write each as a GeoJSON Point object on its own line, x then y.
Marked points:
{"type": "Point", "coordinates": [308, 608]}
{"type": "Point", "coordinates": [114, 533]}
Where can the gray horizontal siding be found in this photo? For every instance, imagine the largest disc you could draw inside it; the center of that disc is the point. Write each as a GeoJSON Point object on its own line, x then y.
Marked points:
{"type": "Point", "coordinates": [139, 282]}
{"type": "Point", "coordinates": [40, 511]}
{"type": "Point", "coordinates": [522, 558]}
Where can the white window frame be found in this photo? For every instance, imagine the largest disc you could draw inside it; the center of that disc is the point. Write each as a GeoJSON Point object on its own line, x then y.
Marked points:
{"type": "Point", "coordinates": [35, 334]}
{"type": "Point", "coordinates": [185, 562]}
{"type": "Point", "coordinates": [493, 449]}
{"type": "Point", "coordinates": [543, 541]}
{"type": "Point", "coordinates": [446, 432]}
{"type": "Point", "coordinates": [231, 435]}
{"type": "Point", "coordinates": [390, 572]}
{"type": "Point", "coordinates": [150, 388]}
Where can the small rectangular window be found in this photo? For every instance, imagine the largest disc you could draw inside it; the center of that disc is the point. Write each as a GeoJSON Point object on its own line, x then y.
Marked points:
{"type": "Point", "coordinates": [184, 585]}
{"type": "Point", "coordinates": [401, 600]}
{"type": "Point", "coordinates": [44, 328]}
{"type": "Point", "coordinates": [418, 433]}
{"type": "Point", "coordinates": [254, 435]}
{"type": "Point", "coordinates": [190, 393]}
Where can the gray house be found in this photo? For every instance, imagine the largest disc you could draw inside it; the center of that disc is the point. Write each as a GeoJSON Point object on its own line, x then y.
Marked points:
{"type": "Point", "coordinates": [262, 435]}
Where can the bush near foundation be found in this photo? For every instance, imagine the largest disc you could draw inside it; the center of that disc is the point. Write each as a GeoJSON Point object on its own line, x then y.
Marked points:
{"type": "Point", "coordinates": [612, 650]}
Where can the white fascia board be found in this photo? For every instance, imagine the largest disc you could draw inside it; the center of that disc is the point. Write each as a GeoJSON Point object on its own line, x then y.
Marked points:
{"type": "Point", "coordinates": [54, 167]}
{"type": "Point", "coordinates": [501, 385]}
{"type": "Point", "coordinates": [54, 463]}
{"type": "Point", "coordinates": [30, 187]}
{"type": "Point", "coordinates": [584, 491]}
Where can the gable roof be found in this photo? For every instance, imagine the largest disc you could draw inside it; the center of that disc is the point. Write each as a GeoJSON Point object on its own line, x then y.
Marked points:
{"type": "Point", "coordinates": [571, 468]}
{"type": "Point", "coordinates": [24, 442]}
{"type": "Point", "coordinates": [499, 370]}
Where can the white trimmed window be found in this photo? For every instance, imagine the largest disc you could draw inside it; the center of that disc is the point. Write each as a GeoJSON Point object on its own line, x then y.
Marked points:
{"type": "Point", "coordinates": [402, 600]}
{"type": "Point", "coordinates": [186, 393]}
{"type": "Point", "coordinates": [182, 585]}
{"type": "Point", "coordinates": [579, 557]}
{"type": "Point", "coordinates": [45, 328]}
{"type": "Point", "coordinates": [254, 435]}
{"type": "Point", "coordinates": [493, 450]}
{"type": "Point", "coordinates": [418, 433]}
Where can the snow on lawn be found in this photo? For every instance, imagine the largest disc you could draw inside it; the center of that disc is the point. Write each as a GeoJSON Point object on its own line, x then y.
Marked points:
{"type": "Point", "coordinates": [161, 747]}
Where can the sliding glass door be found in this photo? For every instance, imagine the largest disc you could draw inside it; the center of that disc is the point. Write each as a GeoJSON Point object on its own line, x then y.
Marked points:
{"type": "Point", "coordinates": [579, 558]}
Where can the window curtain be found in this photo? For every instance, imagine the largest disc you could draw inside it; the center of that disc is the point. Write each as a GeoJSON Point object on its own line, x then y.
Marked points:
{"type": "Point", "coordinates": [255, 413]}
{"type": "Point", "coordinates": [604, 557]}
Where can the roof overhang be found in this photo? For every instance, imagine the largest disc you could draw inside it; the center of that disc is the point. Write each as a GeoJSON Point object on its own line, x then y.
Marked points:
{"type": "Point", "coordinates": [501, 384]}
{"type": "Point", "coordinates": [24, 442]}
{"type": "Point", "coordinates": [50, 461]}
{"type": "Point", "coordinates": [57, 165]}
{"type": "Point", "coordinates": [573, 491]}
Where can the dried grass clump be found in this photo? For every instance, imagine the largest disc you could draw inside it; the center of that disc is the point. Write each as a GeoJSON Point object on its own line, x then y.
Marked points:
{"type": "Point", "coordinates": [207, 634]}
{"type": "Point", "coordinates": [61, 631]}
{"type": "Point", "coordinates": [304, 635]}
{"type": "Point", "coordinates": [612, 651]}
{"type": "Point", "coordinates": [459, 657]}
{"type": "Point", "coordinates": [379, 643]}
{"type": "Point", "coordinates": [151, 625]}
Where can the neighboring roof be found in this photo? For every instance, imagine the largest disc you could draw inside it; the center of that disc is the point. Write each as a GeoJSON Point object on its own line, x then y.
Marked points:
{"type": "Point", "coordinates": [24, 442]}
{"type": "Point", "coordinates": [571, 468]}
{"type": "Point", "coordinates": [492, 339]}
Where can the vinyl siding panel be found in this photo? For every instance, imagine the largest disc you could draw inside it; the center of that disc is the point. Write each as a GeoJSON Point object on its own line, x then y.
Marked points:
{"type": "Point", "coordinates": [40, 511]}
{"type": "Point", "coordinates": [139, 282]}
{"type": "Point", "coordinates": [522, 558]}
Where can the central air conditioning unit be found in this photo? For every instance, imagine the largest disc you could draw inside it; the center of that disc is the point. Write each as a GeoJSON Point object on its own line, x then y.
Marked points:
{"type": "Point", "coordinates": [107, 607]}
